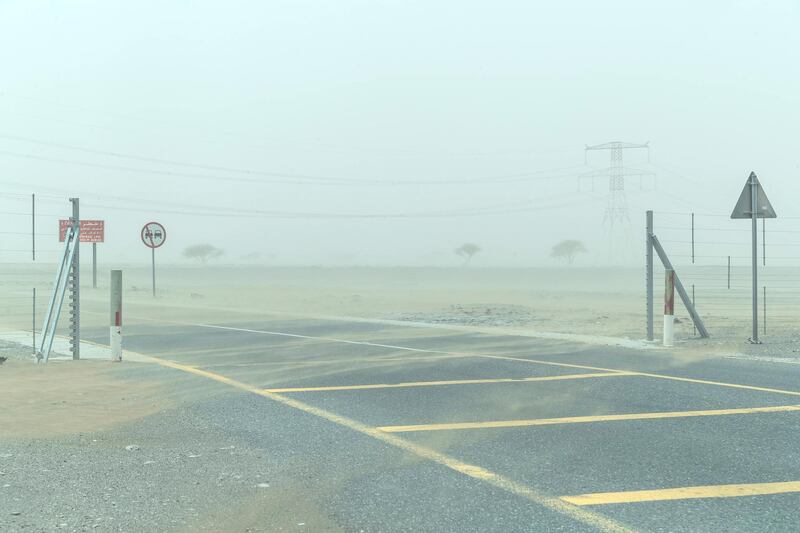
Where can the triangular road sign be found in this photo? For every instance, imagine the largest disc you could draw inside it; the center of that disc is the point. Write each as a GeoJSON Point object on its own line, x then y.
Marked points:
{"type": "Point", "coordinates": [744, 207]}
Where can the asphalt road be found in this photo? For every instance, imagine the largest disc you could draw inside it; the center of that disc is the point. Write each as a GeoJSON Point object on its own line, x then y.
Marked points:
{"type": "Point", "coordinates": [380, 427]}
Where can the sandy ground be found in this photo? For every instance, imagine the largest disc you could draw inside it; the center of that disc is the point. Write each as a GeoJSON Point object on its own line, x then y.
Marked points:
{"type": "Point", "coordinates": [590, 302]}
{"type": "Point", "coordinates": [69, 398]}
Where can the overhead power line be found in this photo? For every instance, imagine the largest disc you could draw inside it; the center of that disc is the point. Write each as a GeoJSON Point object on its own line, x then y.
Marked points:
{"type": "Point", "coordinates": [517, 207]}
{"type": "Point", "coordinates": [294, 178]}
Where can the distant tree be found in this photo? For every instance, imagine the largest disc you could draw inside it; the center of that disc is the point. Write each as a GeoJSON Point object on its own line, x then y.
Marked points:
{"type": "Point", "coordinates": [467, 250]}
{"type": "Point", "coordinates": [202, 252]}
{"type": "Point", "coordinates": [568, 250]}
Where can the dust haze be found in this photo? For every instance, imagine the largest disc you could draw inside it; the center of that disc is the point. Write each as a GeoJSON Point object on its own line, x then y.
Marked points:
{"type": "Point", "coordinates": [398, 237]}
{"type": "Point", "coordinates": [388, 133]}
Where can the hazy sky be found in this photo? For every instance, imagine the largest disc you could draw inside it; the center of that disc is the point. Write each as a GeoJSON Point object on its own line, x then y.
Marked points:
{"type": "Point", "coordinates": [377, 103]}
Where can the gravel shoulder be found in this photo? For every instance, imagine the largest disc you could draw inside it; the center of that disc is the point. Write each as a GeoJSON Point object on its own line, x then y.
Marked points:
{"type": "Point", "coordinates": [98, 446]}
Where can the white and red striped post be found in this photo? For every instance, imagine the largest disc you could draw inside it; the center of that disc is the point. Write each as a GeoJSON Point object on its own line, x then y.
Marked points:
{"type": "Point", "coordinates": [115, 318]}
{"type": "Point", "coordinates": [669, 306]}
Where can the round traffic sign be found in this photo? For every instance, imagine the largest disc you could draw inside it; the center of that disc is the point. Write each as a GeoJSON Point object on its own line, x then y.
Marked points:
{"type": "Point", "coordinates": [153, 235]}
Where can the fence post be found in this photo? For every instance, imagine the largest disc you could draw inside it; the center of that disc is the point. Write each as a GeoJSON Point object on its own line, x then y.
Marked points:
{"type": "Point", "coordinates": [649, 275]}
{"type": "Point", "coordinates": [33, 320]}
{"type": "Point", "coordinates": [115, 318]}
{"type": "Point", "coordinates": [669, 306]}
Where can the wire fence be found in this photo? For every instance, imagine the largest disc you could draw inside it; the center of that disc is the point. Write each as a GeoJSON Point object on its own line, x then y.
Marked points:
{"type": "Point", "coordinates": [712, 255]}
{"type": "Point", "coordinates": [710, 252]}
{"type": "Point", "coordinates": [29, 256]}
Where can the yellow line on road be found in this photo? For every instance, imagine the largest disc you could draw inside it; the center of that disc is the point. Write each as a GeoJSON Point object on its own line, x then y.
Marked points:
{"type": "Point", "coordinates": [684, 493]}
{"type": "Point", "coordinates": [585, 419]}
{"type": "Point", "coordinates": [363, 360]}
{"type": "Point", "coordinates": [585, 516]}
{"type": "Point", "coordinates": [447, 382]}
{"type": "Point", "coordinates": [488, 356]}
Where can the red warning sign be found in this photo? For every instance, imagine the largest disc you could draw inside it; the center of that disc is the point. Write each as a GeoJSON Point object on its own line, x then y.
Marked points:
{"type": "Point", "coordinates": [91, 230]}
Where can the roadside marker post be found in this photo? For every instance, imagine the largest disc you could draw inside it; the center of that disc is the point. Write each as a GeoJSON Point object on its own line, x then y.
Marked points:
{"type": "Point", "coordinates": [115, 318]}
{"type": "Point", "coordinates": [153, 236]}
{"type": "Point", "coordinates": [669, 306]}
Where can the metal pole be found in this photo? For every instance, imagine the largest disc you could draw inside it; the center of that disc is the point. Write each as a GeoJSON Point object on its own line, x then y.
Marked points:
{"type": "Point", "coordinates": [75, 275]}
{"type": "Point", "coordinates": [694, 303]}
{"type": "Point", "coordinates": [765, 309]}
{"type": "Point", "coordinates": [33, 320]}
{"type": "Point", "coordinates": [692, 238]}
{"type": "Point", "coordinates": [33, 230]}
{"type": "Point", "coordinates": [764, 240]}
{"type": "Point", "coordinates": [729, 272]}
{"type": "Point", "coordinates": [153, 252]}
{"type": "Point", "coordinates": [94, 265]}
{"type": "Point", "coordinates": [754, 217]}
{"type": "Point", "coordinates": [649, 275]}
{"type": "Point", "coordinates": [115, 316]}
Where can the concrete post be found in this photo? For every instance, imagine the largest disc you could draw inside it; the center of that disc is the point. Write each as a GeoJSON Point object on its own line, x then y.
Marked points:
{"type": "Point", "coordinates": [669, 306]}
{"type": "Point", "coordinates": [115, 315]}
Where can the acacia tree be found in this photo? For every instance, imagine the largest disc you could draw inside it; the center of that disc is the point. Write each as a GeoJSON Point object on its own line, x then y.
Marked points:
{"type": "Point", "coordinates": [202, 252]}
{"type": "Point", "coordinates": [467, 250]}
{"type": "Point", "coordinates": [568, 250]}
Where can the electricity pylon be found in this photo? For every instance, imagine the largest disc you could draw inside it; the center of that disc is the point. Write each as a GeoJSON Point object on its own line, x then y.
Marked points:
{"type": "Point", "coordinates": [617, 204]}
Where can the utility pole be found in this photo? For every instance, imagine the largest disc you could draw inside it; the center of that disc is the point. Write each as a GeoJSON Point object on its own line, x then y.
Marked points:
{"type": "Point", "coordinates": [75, 284]}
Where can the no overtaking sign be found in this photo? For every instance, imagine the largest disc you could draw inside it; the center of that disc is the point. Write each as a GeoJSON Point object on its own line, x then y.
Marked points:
{"type": "Point", "coordinates": [153, 235]}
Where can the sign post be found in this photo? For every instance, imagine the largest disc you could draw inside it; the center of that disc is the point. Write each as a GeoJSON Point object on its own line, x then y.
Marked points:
{"type": "Point", "coordinates": [153, 236]}
{"type": "Point", "coordinates": [92, 231]}
{"type": "Point", "coordinates": [754, 204]}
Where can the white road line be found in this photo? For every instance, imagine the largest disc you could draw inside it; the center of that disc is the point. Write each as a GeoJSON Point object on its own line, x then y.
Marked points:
{"type": "Point", "coordinates": [328, 339]}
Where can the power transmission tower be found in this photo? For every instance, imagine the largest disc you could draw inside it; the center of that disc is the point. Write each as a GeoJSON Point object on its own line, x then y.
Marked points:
{"type": "Point", "coordinates": [617, 204]}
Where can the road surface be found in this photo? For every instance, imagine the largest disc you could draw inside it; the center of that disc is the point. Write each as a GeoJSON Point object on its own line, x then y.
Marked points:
{"type": "Point", "coordinates": [378, 427]}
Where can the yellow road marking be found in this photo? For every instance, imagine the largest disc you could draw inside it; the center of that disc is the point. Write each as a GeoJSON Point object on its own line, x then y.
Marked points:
{"type": "Point", "coordinates": [365, 360]}
{"type": "Point", "coordinates": [585, 419]}
{"type": "Point", "coordinates": [684, 493]}
{"type": "Point", "coordinates": [488, 356]}
{"type": "Point", "coordinates": [585, 516]}
{"type": "Point", "coordinates": [447, 382]}
{"type": "Point", "coordinates": [522, 359]}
